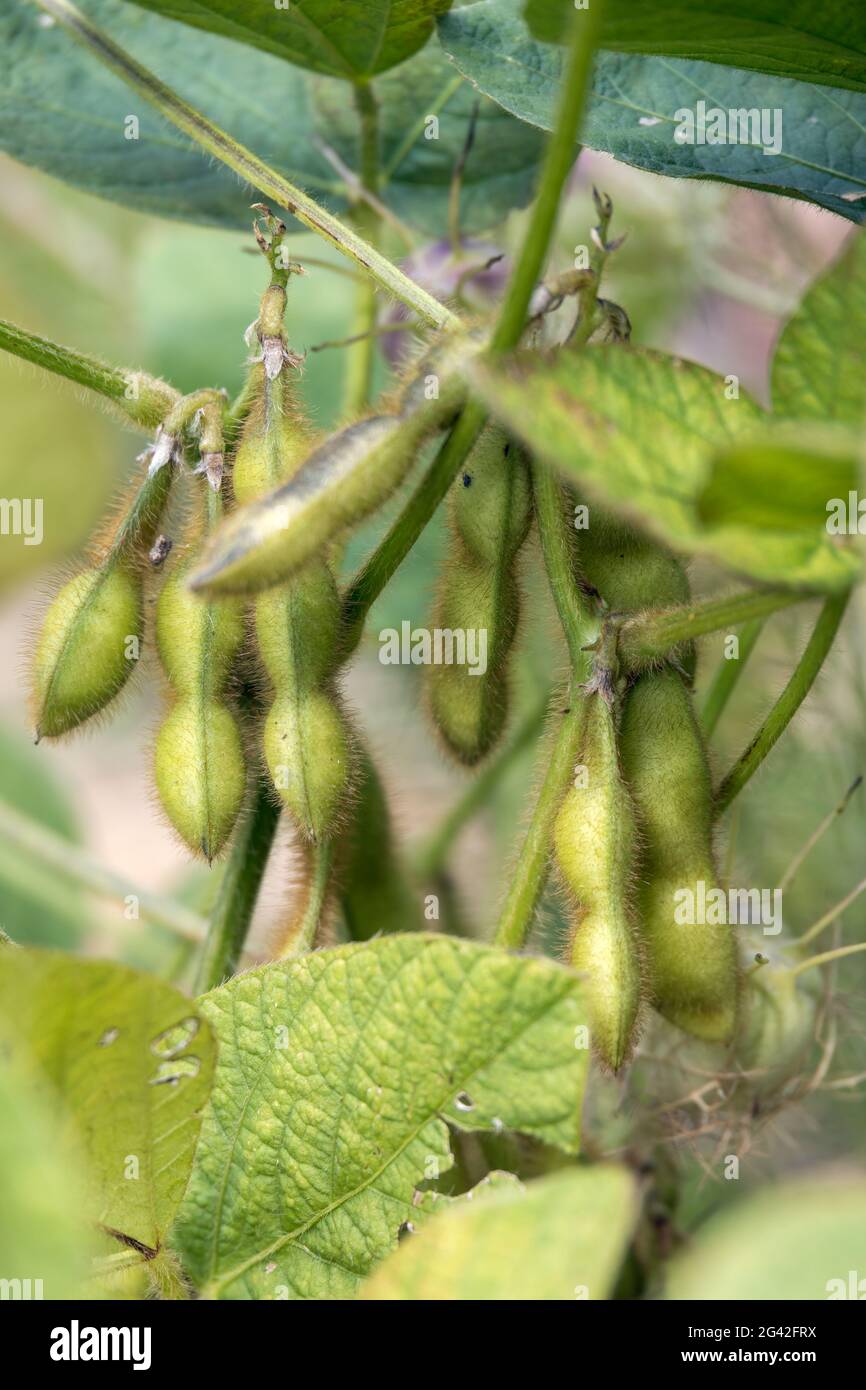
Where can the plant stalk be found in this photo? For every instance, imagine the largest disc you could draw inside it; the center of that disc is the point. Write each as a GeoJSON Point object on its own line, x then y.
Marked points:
{"type": "Point", "coordinates": [650, 637]}
{"type": "Point", "coordinates": [248, 166]}
{"type": "Point", "coordinates": [788, 703]}
{"type": "Point", "coordinates": [728, 674]}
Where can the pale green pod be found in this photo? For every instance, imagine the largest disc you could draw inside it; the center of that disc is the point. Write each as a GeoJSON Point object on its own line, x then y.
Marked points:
{"type": "Point", "coordinates": [87, 647]}
{"type": "Point", "coordinates": [200, 772]}
{"type": "Point", "coordinates": [490, 514]}
{"type": "Point", "coordinates": [198, 641]}
{"type": "Point", "coordinates": [341, 482]}
{"type": "Point", "coordinates": [594, 842]}
{"type": "Point", "coordinates": [90, 638]}
{"type": "Point", "coordinates": [692, 967]}
{"type": "Point", "coordinates": [375, 894]}
{"type": "Point", "coordinates": [629, 571]}
{"type": "Point", "coordinates": [298, 628]}
{"type": "Point", "coordinates": [306, 746]}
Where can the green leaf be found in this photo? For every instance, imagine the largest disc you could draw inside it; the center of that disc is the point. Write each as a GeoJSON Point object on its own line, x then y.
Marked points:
{"type": "Point", "coordinates": [797, 1241]}
{"type": "Point", "coordinates": [560, 1238]}
{"type": "Point", "coordinates": [791, 38]}
{"type": "Point", "coordinates": [780, 480]}
{"type": "Point", "coordinates": [336, 1075]}
{"type": "Point", "coordinates": [638, 102]}
{"type": "Point", "coordinates": [63, 112]}
{"type": "Point", "coordinates": [343, 40]}
{"type": "Point", "coordinates": [130, 1062]}
{"type": "Point", "coordinates": [637, 431]}
{"type": "Point", "coordinates": [817, 371]}
{"type": "Point", "coordinates": [44, 1237]}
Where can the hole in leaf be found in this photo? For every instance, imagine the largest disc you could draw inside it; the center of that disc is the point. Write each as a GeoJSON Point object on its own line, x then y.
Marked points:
{"type": "Point", "coordinates": [172, 1070]}
{"type": "Point", "coordinates": [109, 1036]}
{"type": "Point", "coordinates": [464, 1102]}
{"type": "Point", "coordinates": [175, 1039]}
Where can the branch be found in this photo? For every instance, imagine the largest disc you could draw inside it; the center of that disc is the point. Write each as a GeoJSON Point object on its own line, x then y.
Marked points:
{"type": "Point", "coordinates": [144, 399]}
{"type": "Point", "coordinates": [650, 637]}
{"type": "Point", "coordinates": [727, 675]}
{"type": "Point", "coordinates": [248, 166]}
{"type": "Point", "coordinates": [788, 703]}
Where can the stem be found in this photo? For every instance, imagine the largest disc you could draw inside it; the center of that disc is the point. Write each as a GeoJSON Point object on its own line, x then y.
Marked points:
{"type": "Point", "coordinates": [302, 934]}
{"type": "Point", "coordinates": [392, 550]}
{"type": "Point", "coordinates": [557, 548]}
{"type": "Point", "coordinates": [649, 637]}
{"type": "Point", "coordinates": [56, 856]}
{"type": "Point", "coordinates": [361, 360]}
{"type": "Point", "coordinates": [831, 916]}
{"type": "Point", "coordinates": [788, 703]}
{"type": "Point", "coordinates": [248, 166]}
{"type": "Point", "coordinates": [239, 890]}
{"type": "Point", "coordinates": [826, 956]}
{"type": "Point", "coordinates": [530, 874]}
{"type": "Point", "coordinates": [728, 674]}
{"type": "Point", "coordinates": [144, 399]}
{"type": "Point", "coordinates": [559, 158]}
{"type": "Point", "coordinates": [434, 853]}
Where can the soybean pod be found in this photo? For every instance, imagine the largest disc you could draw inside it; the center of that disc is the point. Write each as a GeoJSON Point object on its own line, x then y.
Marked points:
{"type": "Point", "coordinates": [91, 634]}
{"type": "Point", "coordinates": [478, 603]}
{"type": "Point", "coordinates": [306, 738]}
{"type": "Point", "coordinates": [594, 841]}
{"type": "Point", "coordinates": [199, 757]}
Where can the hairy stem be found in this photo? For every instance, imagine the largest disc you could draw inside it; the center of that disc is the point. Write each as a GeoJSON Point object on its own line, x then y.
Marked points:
{"type": "Point", "coordinates": [301, 937]}
{"type": "Point", "coordinates": [239, 890]}
{"type": "Point", "coordinates": [788, 703]}
{"type": "Point", "coordinates": [144, 399]}
{"type": "Point", "coordinates": [530, 873]}
{"type": "Point", "coordinates": [56, 858]}
{"type": "Point", "coordinates": [248, 166]}
{"type": "Point", "coordinates": [557, 548]}
{"type": "Point", "coordinates": [649, 637]}
{"type": "Point", "coordinates": [727, 675]}
{"type": "Point", "coordinates": [827, 956]}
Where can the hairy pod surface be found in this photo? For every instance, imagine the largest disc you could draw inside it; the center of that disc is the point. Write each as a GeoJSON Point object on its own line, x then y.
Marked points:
{"type": "Point", "coordinates": [199, 758]}
{"type": "Point", "coordinates": [319, 497]}
{"type": "Point", "coordinates": [594, 842]}
{"type": "Point", "coordinates": [91, 634]}
{"type": "Point", "coordinates": [692, 966]}
{"type": "Point", "coordinates": [375, 895]}
{"type": "Point", "coordinates": [490, 514]}
{"type": "Point", "coordinates": [629, 571]}
{"type": "Point", "coordinates": [305, 738]}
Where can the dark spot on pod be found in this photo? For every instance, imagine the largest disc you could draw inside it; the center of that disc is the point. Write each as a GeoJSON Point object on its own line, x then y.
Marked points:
{"type": "Point", "coordinates": [467, 479]}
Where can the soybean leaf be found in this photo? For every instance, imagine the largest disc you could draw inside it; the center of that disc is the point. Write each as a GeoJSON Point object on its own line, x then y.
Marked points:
{"type": "Point", "coordinates": [637, 431]}
{"type": "Point", "coordinates": [803, 1240]}
{"type": "Point", "coordinates": [129, 1062]}
{"type": "Point", "coordinates": [560, 1238]}
{"type": "Point", "coordinates": [344, 40]}
{"type": "Point", "coordinates": [638, 103]}
{"type": "Point", "coordinates": [63, 112]}
{"type": "Point", "coordinates": [817, 371]}
{"type": "Point", "coordinates": [792, 38]}
{"type": "Point", "coordinates": [781, 480]}
{"type": "Point", "coordinates": [336, 1075]}
{"type": "Point", "coordinates": [45, 1242]}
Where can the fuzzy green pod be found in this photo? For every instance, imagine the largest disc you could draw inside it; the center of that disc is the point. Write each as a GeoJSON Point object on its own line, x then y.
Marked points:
{"type": "Point", "coordinates": [91, 635]}
{"type": "Point", "coordinates": [594, 841]}
{"type": "Point", "coordinates": [629, 571]}
{"type": "Point", "coordinates": [692, 966]}
{"type": "Point", "coordinates": [305, 737]}
{"type": "Point", "coordinates": [478, 604]}
{"type": "Point", "coordinates": [199, 757]}
{"type": "Point", "coordinates": [375, 894]}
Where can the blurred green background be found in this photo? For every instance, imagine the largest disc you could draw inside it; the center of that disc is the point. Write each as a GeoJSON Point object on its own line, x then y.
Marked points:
{"type": "Point", "coordinates": [706, 271]}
